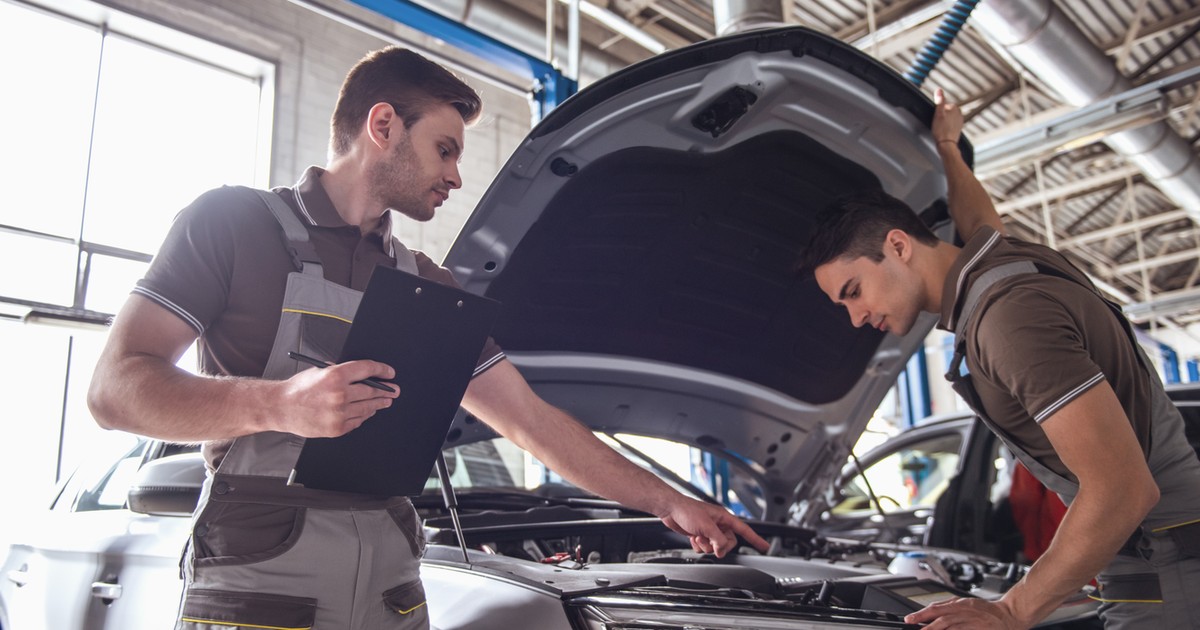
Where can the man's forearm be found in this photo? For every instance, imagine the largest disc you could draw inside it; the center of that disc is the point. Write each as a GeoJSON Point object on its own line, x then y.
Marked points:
{"type": "Point", "coordinates": [970, 205]}
{"type": "Point", "coordinates": [1095, 527]}
{"type": "Point", "coordinates": [571, 450]}
{"type": "Point", "coordinates": [148, 396]}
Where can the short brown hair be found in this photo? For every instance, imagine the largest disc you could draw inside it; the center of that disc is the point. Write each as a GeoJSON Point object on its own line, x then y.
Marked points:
{"type": "Point", "coordinates": [856, 225]}
{"type": "Point", "coordinates": [407, 81]}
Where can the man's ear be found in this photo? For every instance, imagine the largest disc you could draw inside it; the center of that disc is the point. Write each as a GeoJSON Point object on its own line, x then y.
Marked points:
{"type": "Point", "coordinates": [898, 242]}
{"type": "Point", "coordinates": [383, 124]}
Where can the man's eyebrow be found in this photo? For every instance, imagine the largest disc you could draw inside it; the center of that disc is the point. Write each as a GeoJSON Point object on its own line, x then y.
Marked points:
{"type": "Point", "coordinates": [845, 289]}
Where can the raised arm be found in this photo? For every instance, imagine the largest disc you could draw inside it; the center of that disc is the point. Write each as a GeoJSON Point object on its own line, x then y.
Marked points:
{"type": "Point", "coordinates": [501, 398]}
{"type": "Point", "coordinates": [138, 388]}
{"type": "Point", "coordinates": [970, 205]}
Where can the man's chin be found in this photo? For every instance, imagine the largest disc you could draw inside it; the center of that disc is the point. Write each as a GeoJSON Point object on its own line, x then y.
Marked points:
{"type": "Point", "coordinates": [422, 215]}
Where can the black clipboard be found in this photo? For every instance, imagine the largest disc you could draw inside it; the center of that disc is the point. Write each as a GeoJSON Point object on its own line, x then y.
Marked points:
{"type": "Point", "coordinates": [432, 335]}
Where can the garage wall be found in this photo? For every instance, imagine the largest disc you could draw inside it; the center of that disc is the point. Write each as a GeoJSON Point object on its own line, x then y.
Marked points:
{"type": "Point", "coordinates": [313, 53]}
{"type": "Point", "coordinates": [45, 390]}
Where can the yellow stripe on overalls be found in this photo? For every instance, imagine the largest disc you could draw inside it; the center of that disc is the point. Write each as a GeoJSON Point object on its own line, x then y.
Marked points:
{"type": "Point", "coordinates": [405, 612]}
{"type": "Point", "coordinates": [215, 622]}
{"type": "Point", "coordinates": [1126, 601]}
{"type": "Point", "coordinates": [296, 310]}
{"type": "Point", "coordinates": [1166, 527]}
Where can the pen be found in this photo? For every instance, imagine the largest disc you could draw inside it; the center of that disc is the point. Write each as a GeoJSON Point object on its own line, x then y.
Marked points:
{"type": "Point", "coordinates": [371, 382]}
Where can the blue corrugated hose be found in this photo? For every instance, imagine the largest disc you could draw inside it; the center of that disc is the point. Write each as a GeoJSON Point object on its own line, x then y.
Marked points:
{"type": "Point", "coordinates": [931, 53]}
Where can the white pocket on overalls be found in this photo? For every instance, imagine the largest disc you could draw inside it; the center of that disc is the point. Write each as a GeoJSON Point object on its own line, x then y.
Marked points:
{"type": "Point", "coordinates": [406, 607]}
{"type": "Point", "coordinates": [209, 609]}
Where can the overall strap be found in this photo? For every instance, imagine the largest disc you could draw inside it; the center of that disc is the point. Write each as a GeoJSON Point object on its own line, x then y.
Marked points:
{"type": "Point", "coordinates": [406, 260]}
{"type": "Point", "coordinates": [985, 282]}
{"type": "Point", "coordinates": [971, 301]}
{"type": "Point", "coordinates": [995, 274]}
{"type": "Point", "coordinates": [304, 255]}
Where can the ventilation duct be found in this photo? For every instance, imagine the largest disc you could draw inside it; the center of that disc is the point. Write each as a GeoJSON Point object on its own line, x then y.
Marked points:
{"type": "Point", "coordinates": [735, 16]}
{"type": "Point", "coordinates": [1044, 40]}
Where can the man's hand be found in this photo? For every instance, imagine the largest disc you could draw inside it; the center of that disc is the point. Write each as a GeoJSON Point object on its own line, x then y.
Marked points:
{"type": "Point", "coordinates": [710, 528]}
{"type": "Point", "coordinates": [947, 119]}
{"type": "Point", "coordinates": [331, 402]}
{"type": "Point", "coordinates": [966, 612]}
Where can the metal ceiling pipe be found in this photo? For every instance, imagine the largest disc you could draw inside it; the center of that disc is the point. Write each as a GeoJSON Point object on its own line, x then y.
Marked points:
{"type": "Point", "coordinates": [1044, 40]}
{"type": "Point", "coordinates": [735, 16]}
{"type": "Point", "coordinates": [522, 31]}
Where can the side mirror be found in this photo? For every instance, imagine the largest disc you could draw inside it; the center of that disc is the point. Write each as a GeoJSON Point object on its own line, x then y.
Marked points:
{"type": "Point", "coordinates": [169, 486]}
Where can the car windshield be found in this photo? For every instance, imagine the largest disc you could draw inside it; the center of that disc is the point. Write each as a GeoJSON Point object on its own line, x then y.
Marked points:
{"type": "Point", "coordinates": [498, 464]}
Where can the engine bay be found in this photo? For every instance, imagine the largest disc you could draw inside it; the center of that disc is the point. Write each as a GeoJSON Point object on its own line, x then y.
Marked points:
{"type": "Point", "coordinates": [592, 536]}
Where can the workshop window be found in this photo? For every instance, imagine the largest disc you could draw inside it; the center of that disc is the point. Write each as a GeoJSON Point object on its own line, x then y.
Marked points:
{"type": "Point", "coordinates": [111, 127]}
{"type": "Point", "coordinates": [110, 124]}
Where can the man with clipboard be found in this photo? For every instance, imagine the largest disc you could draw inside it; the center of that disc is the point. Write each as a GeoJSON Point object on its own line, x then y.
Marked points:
{"type": "Point", "coordinates": [255, 275]}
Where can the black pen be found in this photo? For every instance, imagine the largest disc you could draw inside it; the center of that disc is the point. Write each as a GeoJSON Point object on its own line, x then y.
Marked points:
{"type": "Point", "coordinates": [371, 382]}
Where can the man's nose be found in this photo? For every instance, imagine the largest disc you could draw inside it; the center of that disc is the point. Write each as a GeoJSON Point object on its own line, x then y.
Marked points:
{"type": "Point", "coordinates": [858, 317]}
{"type": "Point", "coordinates": [453, 179]}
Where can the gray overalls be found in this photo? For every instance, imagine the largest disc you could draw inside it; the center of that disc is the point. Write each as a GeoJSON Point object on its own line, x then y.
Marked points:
{"type": "Point", "coordinates": [268, 554]}
{"type": "Point", "coordinates": [1154, 578]}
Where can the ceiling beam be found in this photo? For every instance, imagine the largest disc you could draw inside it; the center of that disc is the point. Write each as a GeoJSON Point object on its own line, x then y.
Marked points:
{"type": "Point", "coordinates": [1151, 31]}
{"type": "Point", "coordinates": [1166, 51]}
{"type": "Point", "coordinates": [987, 99]}
{"type": "Point", "coordinates": [885, 17]}
{"type": "Point", "coordinates": [1162, 218]}
{"type": "Point", "coordinates": [1117, 189]}
{"type": "Point", "coordinates": [1158, 261]}
{"type": "Point", "coordinates": [1023, 124]}
{"type": "Point", "coordinates": [1030, 176]}
{"type": "Point", "coordinates": [1167, 304]}
{"type": "Point", "coordinates": [704, 31]}
{"type": "Point", "coordinates": [1069, 190]}
{"type": "Point", "coordinates": [1133, 107]}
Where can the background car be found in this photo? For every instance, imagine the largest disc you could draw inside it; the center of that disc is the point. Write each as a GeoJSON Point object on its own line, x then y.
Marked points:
{"type": "Point", "coordinates": [642, 241]}
{"type": "Point", "coordinates": [889, 493]}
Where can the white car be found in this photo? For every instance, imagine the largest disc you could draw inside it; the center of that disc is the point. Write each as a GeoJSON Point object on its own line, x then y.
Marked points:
{"type": "Point", "coordinates": [642, 242]}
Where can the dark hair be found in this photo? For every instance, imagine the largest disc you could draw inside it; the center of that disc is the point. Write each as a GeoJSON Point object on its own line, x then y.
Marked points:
{"type": "Point", "coordinates": [855, 225]}
{"type": "Point", "coordinates": [404, 79]}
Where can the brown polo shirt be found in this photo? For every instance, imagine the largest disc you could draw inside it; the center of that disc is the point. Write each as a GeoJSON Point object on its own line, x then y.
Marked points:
{"type": "Point", "coordinates": [223, 270]}
{"type": "Point", "coordinates": [1038, 341]}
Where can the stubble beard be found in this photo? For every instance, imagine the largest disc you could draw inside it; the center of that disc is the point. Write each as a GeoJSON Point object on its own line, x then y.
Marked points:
{"type": "Point", "coordinates": [393, 183]}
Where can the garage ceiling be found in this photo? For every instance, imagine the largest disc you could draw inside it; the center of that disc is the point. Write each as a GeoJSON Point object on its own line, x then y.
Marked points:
{"type": "Point", "coordinates": [1077, 194]}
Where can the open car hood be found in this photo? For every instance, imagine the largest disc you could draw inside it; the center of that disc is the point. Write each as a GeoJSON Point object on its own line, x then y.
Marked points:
{"type": "Point", "coordinates": [643, 239]}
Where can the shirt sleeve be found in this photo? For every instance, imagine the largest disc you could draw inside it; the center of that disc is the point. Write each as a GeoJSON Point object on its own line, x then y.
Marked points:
{"type": "Point", "coordinates": [191, 274]}
{"type": "Point", "coordinates": [1030, 344]}
{"type": "Point", "coordinates": [491, 354]}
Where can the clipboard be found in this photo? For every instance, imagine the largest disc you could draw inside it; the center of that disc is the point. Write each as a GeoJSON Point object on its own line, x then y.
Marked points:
{"type": "Point", "coordinates": [431, 334]}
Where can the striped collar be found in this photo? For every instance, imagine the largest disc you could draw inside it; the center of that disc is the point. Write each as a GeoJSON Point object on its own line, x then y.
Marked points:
{"type": "Point", "coordinates": [316, 208]}
{"type": "Point", "coordinates": [314, 203]}
{"type": "Point", "coordinates": [954, 287]}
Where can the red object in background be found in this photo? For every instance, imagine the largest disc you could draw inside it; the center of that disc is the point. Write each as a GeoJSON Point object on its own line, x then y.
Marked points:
{"type": "Point", "coordinates": [1036, 510]}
